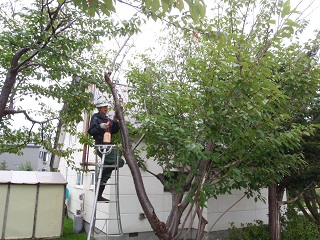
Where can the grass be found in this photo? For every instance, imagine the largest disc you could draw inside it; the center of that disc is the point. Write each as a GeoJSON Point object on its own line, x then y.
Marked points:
{"type": "Point", "coordinates": [68, 233]}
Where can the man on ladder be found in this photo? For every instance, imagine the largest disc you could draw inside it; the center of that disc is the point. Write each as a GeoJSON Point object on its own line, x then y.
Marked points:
{"type": "Point", "coordinates": [101, 129]}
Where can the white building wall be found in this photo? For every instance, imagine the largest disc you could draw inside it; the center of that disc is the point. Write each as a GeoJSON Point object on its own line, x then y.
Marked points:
{"type": "Point", "coordinates": [244, 211]}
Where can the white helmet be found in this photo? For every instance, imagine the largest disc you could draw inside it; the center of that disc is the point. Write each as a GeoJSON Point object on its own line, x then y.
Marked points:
{"type": "Point", "coordinates": [101, 102]}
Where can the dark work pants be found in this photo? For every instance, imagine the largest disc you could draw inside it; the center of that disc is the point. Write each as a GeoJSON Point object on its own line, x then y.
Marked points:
{"type": "Point", "coordinates": [110, 159]}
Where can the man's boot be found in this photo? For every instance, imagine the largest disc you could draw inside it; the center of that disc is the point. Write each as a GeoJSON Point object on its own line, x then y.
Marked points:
{"type": "Point", "coordinates": [100, 198]}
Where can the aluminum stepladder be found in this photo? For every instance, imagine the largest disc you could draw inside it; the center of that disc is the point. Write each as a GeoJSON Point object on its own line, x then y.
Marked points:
{"type": "Point", "coordinates": [99, 166]}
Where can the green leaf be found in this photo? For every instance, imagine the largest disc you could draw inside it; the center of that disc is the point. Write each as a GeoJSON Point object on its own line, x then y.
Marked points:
{"type": "Point", "coordinates": [292, 23]}
{"type": "Point", "coordinates": [155, 5]}
{"type": "Point", "coordinates": [196, 9]}
{"type": "Point", "coordinates": [179, 4]}
{"type": "Point", "coordinates": [271, 21]}
{"type": "Point", "coordinates": [165, 5]}
{"type": "Point", "coordinates": [236, 171]}
{"type": "Point", "coordinates": [91, 11]}
{"type": "Point", "coordinates": [154, 16]}
{"type": "Point", "coordinates": [148, 3]}
{"type": "Point", "coordinates": [201, 9]}
{"type": "Point", "coordinates": [109, 5]}
{"type": "Point", "coordinates": [286, 9]}
{"type": "Point", "coordinates": [105, 10]}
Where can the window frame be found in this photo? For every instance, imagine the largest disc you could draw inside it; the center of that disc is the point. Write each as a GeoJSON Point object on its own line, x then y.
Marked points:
{"type": "Point", "coordinates": [79, 179]}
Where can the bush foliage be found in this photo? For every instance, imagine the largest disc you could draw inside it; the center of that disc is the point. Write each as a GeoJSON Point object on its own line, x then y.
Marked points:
{"type": "Point", "coordinates": [294, 227]}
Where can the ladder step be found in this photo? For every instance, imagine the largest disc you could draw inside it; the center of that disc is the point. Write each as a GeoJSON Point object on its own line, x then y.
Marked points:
{"type": "Point", "coordinates": [105, 219]}
{"type": "Point", "coordinates": [109, 184]}
{"type": "Point", "coordinates": [108, 166]}
{"type": "Point", "coordinates": [108, 235]}
{"type": "Point", "coordinates": [115, 201]}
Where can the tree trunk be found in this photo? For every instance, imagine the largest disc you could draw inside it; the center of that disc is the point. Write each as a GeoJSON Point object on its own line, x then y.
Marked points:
{"type": "Point", "coordinates": [202, 224]}
{"type": "Point", "coordinates": [175, 214]}
{"type": "Point", "coordinates": [56, 143]}
{"type": "Point", "coordinates": [275, 196]}
{"type": "Point", "coordinates": [163, 231]}
{"type": "Point", "coordinates": [10, 80]}
{"type": "Point", "coordinates": [6, 90]}
{"type": "Point", "coordinates": [303, 210]}
{"type": "Point", "coordinates": [158, 226]}
{"type": "Point", "coordinates": [311, 205]}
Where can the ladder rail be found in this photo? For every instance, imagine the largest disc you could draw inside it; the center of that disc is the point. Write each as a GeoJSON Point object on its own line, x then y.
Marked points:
{"type": "Point", "coordinates": [117, 197]}
{"type": "Point", "coordinates": [105, 150]}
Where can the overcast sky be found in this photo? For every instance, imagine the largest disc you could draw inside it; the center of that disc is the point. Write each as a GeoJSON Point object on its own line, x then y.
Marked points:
{"type": "Point", "coordinates": [310, 9]}
{"type": "Point", "coordinates": [311, 12]}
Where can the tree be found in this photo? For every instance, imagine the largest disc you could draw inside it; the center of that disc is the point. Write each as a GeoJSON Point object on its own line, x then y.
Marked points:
{"type": "Point", "coordinates": [302, 185]}
{"type": "Point", "coordinates": [25, 167]}
{"type": "Point", "coordinates": [213, 111]}
{"type": "Point", "coordinates": [302, 97]}
{"type": "Point", "coordinates": [3, 165]}
{"type": "Point", "coordinates": [152, 9]}
{"type": "Point", "coordinates": [44, 45]}
{"type": "Point", "coordinates": [52, 42]}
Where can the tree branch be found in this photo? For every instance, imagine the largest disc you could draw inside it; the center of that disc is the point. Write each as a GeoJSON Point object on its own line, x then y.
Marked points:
{"type": "Point", "coordinates": [296, 197]}
{"type": "Point", "coordinates": [225, 213]}
{"type": "Point", "coordinates": [16, 57]}
{"type": "Point", "coordinates": [10, 111]}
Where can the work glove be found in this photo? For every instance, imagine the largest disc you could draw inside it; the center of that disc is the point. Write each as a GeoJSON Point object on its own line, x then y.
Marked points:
{"type": "Point", "coordinates": [104, 126]}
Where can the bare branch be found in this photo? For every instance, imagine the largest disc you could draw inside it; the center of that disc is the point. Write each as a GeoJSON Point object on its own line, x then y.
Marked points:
{"type": "Point", "coordinates": [28, 65]}
{"type": "Point", "coordinates": [118, 53]}
{"type": "Point", "coordinates": [316, 119]}
{"type": "Point", "coordinates": [10, 111]}
{"type": "Point", "coordinates": [296, 197]}
{"type": "Point", "coordinates": [139, 141]}
{"type": "Point", "coordinates": [54, 17]}
{"type": "Point", "coordinates": [224, 213]}
{"type": "Point", "coordinates": [65, 26]}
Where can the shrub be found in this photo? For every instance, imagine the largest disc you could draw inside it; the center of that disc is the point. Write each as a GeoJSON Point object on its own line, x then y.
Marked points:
{"type": "Point", "coordinates": [26, 167]}
{"type": "Point", "coordinates": [294, 227]}
{"type": "Point", "coordinates": [299, 227]}
{"type": "Point", "coordinates": [3, 165]}
{"type": "Point", "coordinates": [249, 231]}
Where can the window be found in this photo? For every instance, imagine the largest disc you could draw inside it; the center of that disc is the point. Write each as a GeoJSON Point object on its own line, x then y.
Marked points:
{"type": "Point", "coordinates": [92, 180]}
{"type": "Point", "coordinates": [43, 155]}
{"type": "Point", "coordinates": [79, 181]}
